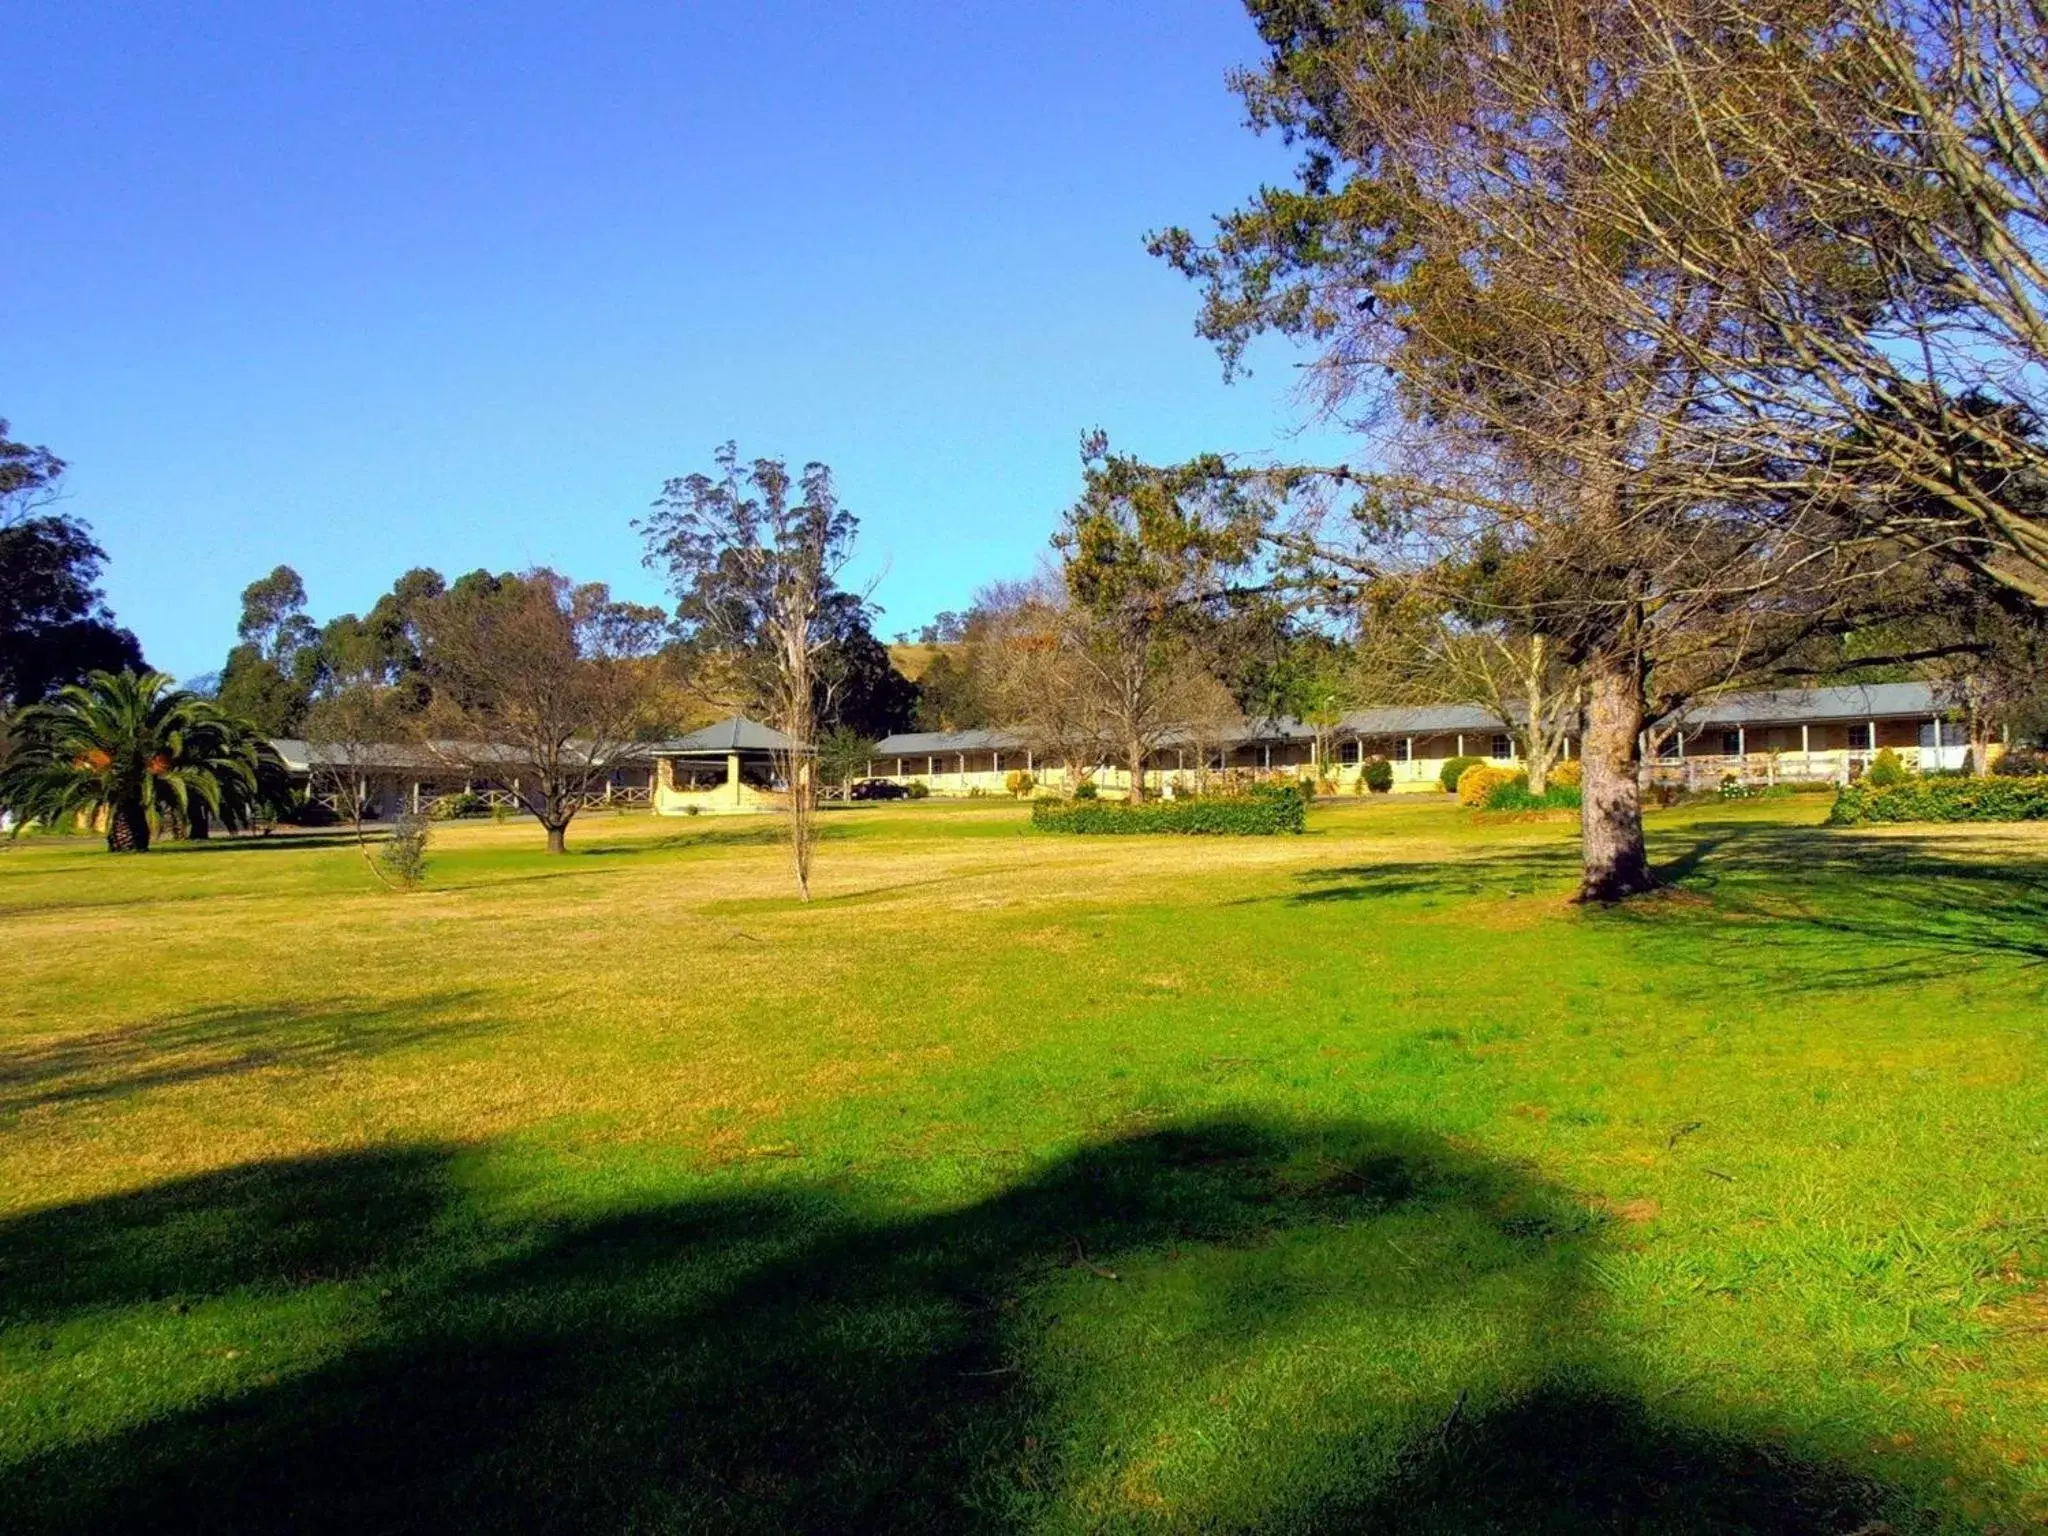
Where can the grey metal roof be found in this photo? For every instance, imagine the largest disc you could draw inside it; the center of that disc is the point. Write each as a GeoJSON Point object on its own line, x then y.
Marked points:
{"type": "Point", "coordinates": [737, 734]}
{"type": "Point", "coordinates": [1859, 702]}
{"type": "Point", "coordinates": [914, 743]}
{"type": "Point", "coordinates": [301, 756]}
{"type": "Point", "coordinates": [1864, 701]}
{"type": "Point", "coordinates": [1420, 720]}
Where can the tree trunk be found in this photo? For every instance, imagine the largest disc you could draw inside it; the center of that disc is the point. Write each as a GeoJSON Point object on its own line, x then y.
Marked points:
{"type": "Point", "coordinates": [127, 829]}
{"type": "Point", "coordinates": [1614, 863]}
{"type": "Point", "coordinates": [558, 837]}
{"type": "Point", "coordinates": [1137, 757]}
{"type": "Point", "coordinates": [1539, 772]}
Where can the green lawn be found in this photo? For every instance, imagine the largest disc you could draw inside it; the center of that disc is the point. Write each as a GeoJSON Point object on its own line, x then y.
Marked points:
{"type": "Point", "coordinates": [1349, 1181]}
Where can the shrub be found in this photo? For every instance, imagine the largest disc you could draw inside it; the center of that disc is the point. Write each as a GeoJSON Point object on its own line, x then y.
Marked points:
{"type": "Point", "coordinates": [1512, 794]}
{"type": "Point", "coordinates": [1086, 790]}
{"type": "Point", "coordinates": [1377, 775]}
{"type": "Point", "coordinates": [2022, 763]}
{"type": "Point", "coordinates": [1568, 774]}
{"type": "Point", "coordinates": [1732, 788]}
{"type": "Point", "coordinates": [1020, 783]}
{"type": "Point", "coordinates": [1265, 812]}
{"type": "Point", "coordinates": [1480, 781]}
{"type": "Point", "coordinates": [917, 789]}
{"type": "Point", "coordinates": [1454, 770]}
{"type": "Point", "coordinates": [404, 858]}
{"type": "Point", "coordinates": [2010, 799]}
{"type": "Point", "coordinates": [1885, 770]}
{"type": "Point", "coordinates": [461, 803]}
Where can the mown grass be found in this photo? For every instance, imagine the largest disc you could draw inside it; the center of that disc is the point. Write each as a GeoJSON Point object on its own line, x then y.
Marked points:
{"type": "Point", "coordinates": [1350, 1181]}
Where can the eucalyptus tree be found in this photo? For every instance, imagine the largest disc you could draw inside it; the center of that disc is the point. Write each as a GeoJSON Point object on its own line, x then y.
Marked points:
{"type": "Point", "coordinates": [753, 556]}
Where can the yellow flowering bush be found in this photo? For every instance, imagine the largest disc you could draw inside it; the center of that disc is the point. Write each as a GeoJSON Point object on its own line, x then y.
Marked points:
{"type": "Point", "coordinates": [1479, 781]}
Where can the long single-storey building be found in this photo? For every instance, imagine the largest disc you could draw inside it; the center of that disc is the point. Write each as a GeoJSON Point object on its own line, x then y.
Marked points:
{"type": "Point", "coordinates": [1812, 733]}
{"type": "Point", "coordinates": [736, 765]}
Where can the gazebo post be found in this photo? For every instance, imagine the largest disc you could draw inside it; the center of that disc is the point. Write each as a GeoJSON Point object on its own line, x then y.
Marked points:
{"type": "Point", "coordinates": [732, 774]}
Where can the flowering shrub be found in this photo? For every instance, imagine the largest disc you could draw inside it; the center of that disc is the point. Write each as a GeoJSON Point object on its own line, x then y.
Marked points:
{"type": "Point", "coordinates": [1568, 773]}
{"type": "Point", "coordinates": [1480, 781]}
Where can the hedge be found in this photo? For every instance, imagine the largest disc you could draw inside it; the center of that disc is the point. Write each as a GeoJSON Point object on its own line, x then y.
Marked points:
{"type": "Point", "coordinates": [1262, 813]}
{"type": "Point", "coordinates": [1943, 800]}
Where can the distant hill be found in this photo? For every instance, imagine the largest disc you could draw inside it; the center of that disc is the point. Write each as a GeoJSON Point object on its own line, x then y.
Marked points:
{"type": "Point", "coordinates": [911, 660]}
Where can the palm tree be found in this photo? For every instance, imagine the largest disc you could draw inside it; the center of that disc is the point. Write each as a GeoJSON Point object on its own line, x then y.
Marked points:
{"type": "Point", "coordinates": [134, 747]}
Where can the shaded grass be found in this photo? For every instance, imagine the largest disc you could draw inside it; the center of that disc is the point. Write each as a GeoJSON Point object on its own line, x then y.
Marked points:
{"type": "Point", "coordinates": [627, 1192]}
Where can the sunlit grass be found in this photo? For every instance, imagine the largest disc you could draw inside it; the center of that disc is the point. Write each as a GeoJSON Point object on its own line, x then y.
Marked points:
{"type": "Point", "coordinates": [623, 1190]}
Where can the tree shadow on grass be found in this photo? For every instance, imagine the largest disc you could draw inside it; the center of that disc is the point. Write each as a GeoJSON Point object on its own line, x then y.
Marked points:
{"type": "Point", "coordinates": [801, 1359]}
{"type": "Point", "coordinates": [1519, 870]}
{"type": "Point", "coordinates": [1864, 907]}
{"type": "Point", "coordinates": [222, 1040]}
{"type": "Point", "coordinates": [283, 842]}
{"type": "Point", "coordinates": [1894, 906]}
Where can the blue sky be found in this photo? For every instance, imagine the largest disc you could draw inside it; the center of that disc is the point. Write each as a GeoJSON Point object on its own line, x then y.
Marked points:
{"type": "Point", "coordinates": [361, 287]}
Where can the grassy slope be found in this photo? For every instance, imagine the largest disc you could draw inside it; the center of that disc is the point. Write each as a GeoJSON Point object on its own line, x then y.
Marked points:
{"type": "Point", "coordinates": [619, 1190]}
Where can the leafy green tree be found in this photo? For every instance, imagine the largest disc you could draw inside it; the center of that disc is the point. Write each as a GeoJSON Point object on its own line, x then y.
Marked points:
{"type": "Point", "coordinates": [857, 685]}
{"type": "Point", "coordinates": [131, 747]}
{"type": "Point", "coordinates": [949, 696]}
{"type": "Point", "coordinates": [271, 674]}
{"type": "Point", "coordinates": [843, 755]}
{"type": "Point", "coordinates": [54, 623]}
{"type": "Point", "coordinates": [1146, 554]}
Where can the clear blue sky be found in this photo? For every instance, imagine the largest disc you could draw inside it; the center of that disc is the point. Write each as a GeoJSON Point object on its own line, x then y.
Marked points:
{"type": "Point", "coordinates": [361, 287]}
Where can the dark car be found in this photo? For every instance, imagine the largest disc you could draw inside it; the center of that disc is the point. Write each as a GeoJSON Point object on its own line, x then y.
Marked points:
{"type": "Point", "coordinates": [877, 789]}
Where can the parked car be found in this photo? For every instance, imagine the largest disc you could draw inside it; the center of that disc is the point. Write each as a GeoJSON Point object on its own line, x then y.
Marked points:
{"type": "Point", "coordinates": [877, 789]}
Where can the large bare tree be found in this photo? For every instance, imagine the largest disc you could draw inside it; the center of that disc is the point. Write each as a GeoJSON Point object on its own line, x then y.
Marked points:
{"type": "Point", "coordinates": [753, 556]}
{"type": "Point", "coordinates": [538, 684]}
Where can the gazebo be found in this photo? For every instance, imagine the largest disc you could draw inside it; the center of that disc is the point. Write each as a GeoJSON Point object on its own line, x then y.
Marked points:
{"type": "Point", "coordinates": [732, 767]}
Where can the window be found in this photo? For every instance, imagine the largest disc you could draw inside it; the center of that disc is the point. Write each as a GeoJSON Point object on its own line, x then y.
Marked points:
{"type": "Point", "coordinates": [1501, 747]}
{"type": "Point", "coordinates": [1859, 738]}
{"type": "Point", "coordinates": [1347, 753]}
{"type": "Point", "coordinates": [1731, 743]}
{"type": "Point", "coordinates": [1932, 734]}
{"type": "Point", "coordinates": [1668, 747]}
{"type": "Point", "coordinates": [1404, 749]}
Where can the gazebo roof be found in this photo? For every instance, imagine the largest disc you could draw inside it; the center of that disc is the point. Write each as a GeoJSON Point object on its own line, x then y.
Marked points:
{"type": "Point", "coordinates": [737, 734]}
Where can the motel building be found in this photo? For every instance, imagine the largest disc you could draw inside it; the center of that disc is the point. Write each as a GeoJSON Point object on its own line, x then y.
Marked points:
{"type": "Point", "coordinates": [1826, 734]}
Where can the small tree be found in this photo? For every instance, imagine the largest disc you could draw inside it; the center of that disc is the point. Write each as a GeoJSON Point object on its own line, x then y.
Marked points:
{"type": "Point", "coordinates": [843, 756]}
{"type": "Point", "coordinates": [538, 681]}
{"type": "Point", "coordinates": [753, 557]}
{"type": "Point", "coordinates": [1030, 673]}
